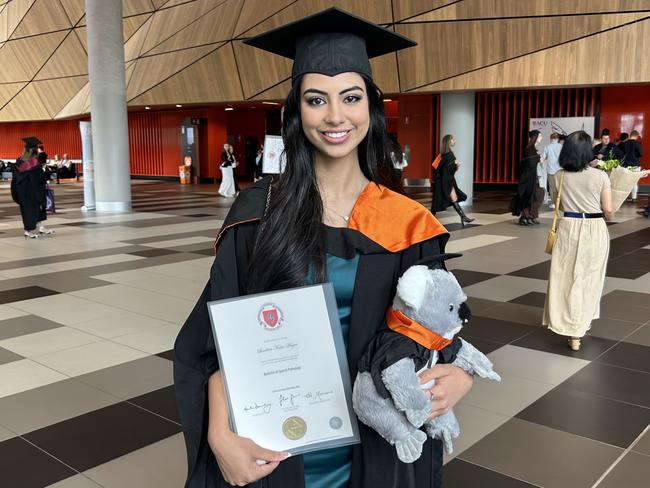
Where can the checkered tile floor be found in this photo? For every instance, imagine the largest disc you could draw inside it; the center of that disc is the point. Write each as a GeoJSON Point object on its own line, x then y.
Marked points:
{"type": "Point", "coordinates": [88, 319]}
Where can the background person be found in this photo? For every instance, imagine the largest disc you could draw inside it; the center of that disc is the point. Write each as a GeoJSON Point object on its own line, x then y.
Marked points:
{"type": "Point", "coordinates": [530, 195]}
{"type": "Point", "coordinates": [579, 258]}
{"type": "Point", "coordinates": [552, 155]}
{"type": "Point", "coordinates": [445, 189]}
{"type": "Point", "coordinates": [633, 152]}
{"type": "Point", "coordinates": [606, 149]}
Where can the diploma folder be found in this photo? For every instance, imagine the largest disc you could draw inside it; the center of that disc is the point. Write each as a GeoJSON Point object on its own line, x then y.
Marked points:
{"type": "Point", "coordinates": [285, 370]}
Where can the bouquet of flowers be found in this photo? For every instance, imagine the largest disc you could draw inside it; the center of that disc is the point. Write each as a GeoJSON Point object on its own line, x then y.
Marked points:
{"type": "Point", "coordinates": [610, 163]}
{"type": "Point", "coordinates": [623, 180]}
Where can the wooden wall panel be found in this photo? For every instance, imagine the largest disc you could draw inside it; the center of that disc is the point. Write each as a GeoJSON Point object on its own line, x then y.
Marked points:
{"type": "Point", "coordinates": [44, 16]}
{"type": "Point", "coordinates": [183, 87]}
{"type": "Point", "coordinates": [501, 130]}
{"type": "Point", "coordinates": [482, 9]}
{"type": "Point", "coordinates": [258, 69]}
{"type": "Point", "coordinates": [570, 64]}
{"type": "Point", "coordinates": [405, 9]}
{"type": "Point", "coordinates": [253, 13]}
{"type": "Point", "coordinates": [216, 25]}
{"type": "Point", "coordinates": [437, 56]}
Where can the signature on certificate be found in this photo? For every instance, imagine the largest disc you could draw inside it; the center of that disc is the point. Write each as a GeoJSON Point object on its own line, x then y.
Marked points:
{"type": "Point", "coordinates": [289, 401]}
{"type": "Point", "coordinates": [319, 396]}
{"type": "Point", "coordinates": [258, 408]}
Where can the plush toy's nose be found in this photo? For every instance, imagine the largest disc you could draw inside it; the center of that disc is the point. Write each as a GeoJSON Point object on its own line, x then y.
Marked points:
{"type": "Point", "coordinates": [464, 313]}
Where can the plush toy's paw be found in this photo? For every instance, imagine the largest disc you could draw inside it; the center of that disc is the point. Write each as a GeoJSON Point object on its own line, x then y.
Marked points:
{"type": "Point", "coordinates": [410, 448]}
{"type": "Point", "coordinates": [446, 429]}
{"type": "Point", "coordinates": [417, 418]}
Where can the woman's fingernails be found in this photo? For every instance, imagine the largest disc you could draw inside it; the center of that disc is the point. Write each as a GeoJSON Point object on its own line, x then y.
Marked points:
{"type": "Point", "coordinates": [286, 455]}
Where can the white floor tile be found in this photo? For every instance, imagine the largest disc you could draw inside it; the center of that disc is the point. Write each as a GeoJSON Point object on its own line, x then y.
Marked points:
{"type": "Point", "coordinates": [65, 308]}
{"type": "Point", "coordinates": [78, 481]}
{"type": "Point", "coordinates": [119, 324]}
{"type": "Point", "coordinates": [47, 341]}
{"type": "Point", "coordinates": [153, 341]}
{"type": "Point", "coordinates": [90, 357]}
{"type": "Point", "coordinates": [25, 374]}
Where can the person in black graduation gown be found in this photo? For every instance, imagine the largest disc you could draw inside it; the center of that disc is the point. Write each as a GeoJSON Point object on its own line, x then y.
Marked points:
{"type": "Point", "coordinates": [445, 189]}
{"type": "Point", "coordinates": [530, 195]}
{"type": "Point", "coordinates": [606, 149]}
{"type": "Point", "coordinates": [336, 197]}
{"type": "Point", "coordinates": [28, 185]}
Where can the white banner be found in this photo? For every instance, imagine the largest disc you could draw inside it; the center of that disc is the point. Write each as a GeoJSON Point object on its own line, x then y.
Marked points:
{"type": "Point", "coordinates": [88, 165]}
{"type": "Point", "coordinates": [274, 159]}
{"type": "Point", "coordinates": [561, 125]}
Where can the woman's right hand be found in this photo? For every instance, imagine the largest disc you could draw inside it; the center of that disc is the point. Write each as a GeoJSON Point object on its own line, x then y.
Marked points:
{"type": "Point", "coordinates": [237, 458]}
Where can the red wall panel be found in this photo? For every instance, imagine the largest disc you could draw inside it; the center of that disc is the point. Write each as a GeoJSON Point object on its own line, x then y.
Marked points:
{"type": "Point", "coordinates": [623, 109]}
{"type": "Point", "coordinates": [419, 127]}
{"type": "Point", "coordinates": [501, 130]}
{"type": "Point", "coordinates": [59, 137]}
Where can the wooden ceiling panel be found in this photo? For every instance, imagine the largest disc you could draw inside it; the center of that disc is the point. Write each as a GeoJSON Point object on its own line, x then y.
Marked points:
{"type": "Point", "coordinates": [55, 94]}
{"type": "Point", "coordinates": [158, 3]}
{"type": "Point", "coordinates": [44, 16]}
{"type": "Point", "coordinates": [151, 70]}
{"type": "Point", "coordinates": [216, 25]}
{"type": "Point", "coordinates": [254, 12]}
{"type": "Point", "coordinates": [570, 64]}
{"type": "Point", "coordinates": [78, 105]}
{"type": "Point", "coordinates": [278, 92]}
{"type": "Point", "coordinates": [8, 91]}
{"type": "Point", "coordinates": [33, 52]}
{"type": "Point", "coordinates": [74, 8]}
{"type": "Point", "coordinates": [473, 9]}
{"type": "Point", "coordinates": [259, 69]}
{"type": "Point", "coordinates": [378, 11]}
{"type": "Point", "coordinates": [438, 55]}
{"type": "Point", "coordinates": [16, 10]}
{"type": "Point", "coordinates": [405, 9]}
{"type": "Point", "coordinates": [136, 7]}
{"type": "Point", "coordinates": [69, 59]}
{"type": "Point", "coordinates": [81, 34]}
{"type": "Point", "coordinates": [26, 105]}
{"type": "Point", "coordinates": [133, 47]}
{"type": "Point", "coordinates": [169, 21]}
{"type": "Point", "coordinates": [3, 24]}
{"type": "Point", "coordinates": [384, 73]}
{"type": "Point", "coordinates": [184, 88]}
{"type": "Point", "coordinates": [132, 24]}
{"type": "Point", "coordinates": [12, 67]}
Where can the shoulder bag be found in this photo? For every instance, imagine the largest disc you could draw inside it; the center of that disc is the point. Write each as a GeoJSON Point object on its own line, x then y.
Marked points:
{"type": "Point", "coordinates": [552, 234]}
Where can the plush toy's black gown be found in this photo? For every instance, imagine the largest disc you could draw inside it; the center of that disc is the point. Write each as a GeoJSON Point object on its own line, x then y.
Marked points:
{"type": "Point", "coordinates": [390, 233]}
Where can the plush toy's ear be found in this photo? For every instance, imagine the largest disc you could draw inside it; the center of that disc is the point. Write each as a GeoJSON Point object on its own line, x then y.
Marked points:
{"type": "Point", "coordinates": [412, 286]}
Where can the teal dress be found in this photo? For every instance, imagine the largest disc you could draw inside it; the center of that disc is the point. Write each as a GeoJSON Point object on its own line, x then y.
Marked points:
{"type": "Point", "coordinates": [331, 468]}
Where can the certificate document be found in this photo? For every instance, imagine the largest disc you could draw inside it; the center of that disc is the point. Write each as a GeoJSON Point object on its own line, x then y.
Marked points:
{"type": "Point", "coordinates": [284, 366]}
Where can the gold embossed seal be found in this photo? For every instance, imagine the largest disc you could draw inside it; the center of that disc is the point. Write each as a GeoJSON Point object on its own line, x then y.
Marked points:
{"type": "Point", "coordinates": [294, 428]}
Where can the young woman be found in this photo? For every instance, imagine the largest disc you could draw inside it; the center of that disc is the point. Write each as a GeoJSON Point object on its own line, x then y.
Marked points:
{"type": "Point", "coordinates": [227, 186]}
{"type": "Point", "coordinates": [579, 258]}
{"type": "Point", "coordinates": [335, 215]}
{"type": "Point", "coordinates": [28, 186]}
{"type": "Point", "coordinates": [445, 189]}
{"type": "Point", "coordinates": [233, 163]}
{"type": "Point", "coordinates": [530, 194]}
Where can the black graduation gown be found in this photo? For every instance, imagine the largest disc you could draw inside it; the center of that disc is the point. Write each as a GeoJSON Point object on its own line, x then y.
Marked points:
{"type": "Point", "coordinates": [605, 150]}
{"type": "Point", "coordinates": [443, 182]}
{"type": "Point", "coordinates": [374, 461]}
{"type": "Point", "coordinates": [28, 191]}
{"type": "Point", "coordinates": [528, 183]}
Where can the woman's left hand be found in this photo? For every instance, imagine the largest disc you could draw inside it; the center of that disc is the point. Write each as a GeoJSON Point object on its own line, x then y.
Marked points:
{"type": "Point", "coordinates": [451, 384]}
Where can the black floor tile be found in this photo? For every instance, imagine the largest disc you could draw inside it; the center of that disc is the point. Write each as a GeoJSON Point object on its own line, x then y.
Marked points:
{"type": "Point", "coordinates": [538, 271]}
{"type": "Point", "coordinates": [624, 298]}
{"type": "Point", "coordinates": [482, 345]}
{"type": "Point", "coordinates": [629, 272]}
{"type": "Point", "coordinates": [167, 355]}
{"type": "Point", "coordinates": [496, 330]}
{"type": "Point", "coordinates": [457, 226]}
{"type": "Point", "coordinates": [461, 474]}
{"type": "Point", "coordinates": [546, 340]}
{"type": "Point", "coordinates": [200, 215]}
{"type": "Point", "coordinates": [24, 466]}
{"type": "Point", "coordinates": [7, 356]}
{"type": "Point", "coordinates": [612, 382]}
{"type": "Point", "coordinates": [162, 402]}
{"type": "Point", "coordinates": [588, 415]}
{"type": "Point", "coordinates": [153, 253]}
{"type": "Point", "coordinates": [80, 224]}
{"type": "Point", "coordinates": [205, 252]}
{"type": "Point", "coordinates": [628, 355]}
{"type": "Point", "coordinates": [467, 278]}
{"type": "Point", "coordinates": [102, 435]}
{"type": "Point", "coordinates": [533, 298]}
{"type": "Point", "coordinates": [27, 293]}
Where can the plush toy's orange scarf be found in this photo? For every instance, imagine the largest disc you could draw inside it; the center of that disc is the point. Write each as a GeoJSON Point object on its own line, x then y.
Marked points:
{"type": "Point", "coordinates": [401, 324]}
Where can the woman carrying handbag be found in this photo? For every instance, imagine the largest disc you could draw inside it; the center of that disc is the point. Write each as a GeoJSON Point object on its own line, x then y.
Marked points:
{"type": "Point", "coordinates": [580, 250]}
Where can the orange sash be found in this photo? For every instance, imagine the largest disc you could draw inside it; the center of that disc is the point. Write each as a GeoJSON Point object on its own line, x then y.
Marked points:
{"type": "Point", "coordinates": [436, 162]}
{"type": "Point", "coordinates": [401, 324]}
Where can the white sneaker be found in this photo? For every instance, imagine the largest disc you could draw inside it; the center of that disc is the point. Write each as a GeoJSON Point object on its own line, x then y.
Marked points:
{"type": "Point", "coordinates": [551, 206]}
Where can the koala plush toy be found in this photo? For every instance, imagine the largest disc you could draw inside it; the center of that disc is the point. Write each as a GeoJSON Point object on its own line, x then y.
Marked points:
{"type": "Point", "coordinates": [428, 310]}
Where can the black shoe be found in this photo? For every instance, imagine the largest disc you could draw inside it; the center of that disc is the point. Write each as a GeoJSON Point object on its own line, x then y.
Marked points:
{"type": "Point", "coordinates": [644, 213]}
{"type": "Point", "coordinates": [463, 218]}
{"type": "Point", "coordinates": [523, 221]}
{"type": "Point", "coordinates": [534, 221]}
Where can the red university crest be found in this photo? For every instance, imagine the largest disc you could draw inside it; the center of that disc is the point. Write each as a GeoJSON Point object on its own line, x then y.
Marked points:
{"type": "Point", "coordinates": [270, 316]}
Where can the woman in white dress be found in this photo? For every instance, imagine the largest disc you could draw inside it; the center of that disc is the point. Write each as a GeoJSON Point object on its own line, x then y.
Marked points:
{"type": "Point", "coordinates": [227, 187]}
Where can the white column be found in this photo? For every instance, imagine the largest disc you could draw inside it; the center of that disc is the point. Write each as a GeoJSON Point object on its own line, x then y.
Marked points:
{"type": "Point", "coordinates": [108, 105]}
{"type": "Point", "coordinates": [457, 118]}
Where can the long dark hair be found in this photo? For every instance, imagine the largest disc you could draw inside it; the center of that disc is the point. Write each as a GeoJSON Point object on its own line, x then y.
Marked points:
{"type": "Point", "coordinates": [446, 144]}
{"type": "Point", "coordinates": [289, 238]}
{"type": "Point", "coordinates": [576, 153]}
{"type": "Point", "coordinates": [28, 153]}
{"type": "Point", "coordinates": [532, 140]}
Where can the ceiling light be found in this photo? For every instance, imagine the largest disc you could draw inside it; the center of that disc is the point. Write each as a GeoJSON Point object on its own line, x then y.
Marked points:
{"type": "Point", "coordinates": [388, 99]}
{"type": "Point", "coordinates": [270, 103]}
{"type": "Point", "coordinates": [178, 105]}
{"type": "Point", "coordinates": [147, 108]}
{"type": "Point", "coordinates": [229, 108]}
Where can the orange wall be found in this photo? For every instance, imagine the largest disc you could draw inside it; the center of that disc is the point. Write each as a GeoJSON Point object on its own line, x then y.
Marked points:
{"type": "Point", "coordinates": [242, 123]}
{"type": "Point", "coordinates": [416, 127]}
{"type": "Point", "coordinates": [623, 109]}
{"type": "Point", "coordinates": [59, 137]}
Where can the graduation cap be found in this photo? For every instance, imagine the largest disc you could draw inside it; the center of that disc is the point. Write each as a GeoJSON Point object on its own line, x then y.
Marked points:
{"type": "Point", "coordinates": [31, 142]}
{"type": "Point", "coordinates": [330, 42]}
{"type": "Point", "coordinates": [437, 261]}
